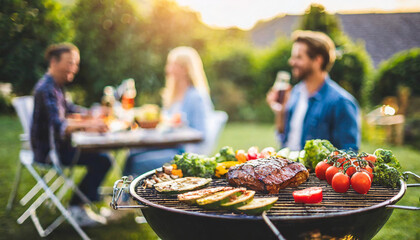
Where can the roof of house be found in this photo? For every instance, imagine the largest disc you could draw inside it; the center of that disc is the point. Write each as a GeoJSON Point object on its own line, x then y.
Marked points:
{"type": "Point", "coordinates": [383, 34]}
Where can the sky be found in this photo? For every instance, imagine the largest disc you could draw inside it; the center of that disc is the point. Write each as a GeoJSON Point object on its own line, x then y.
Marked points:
{"type": "Point", "coordinates": [245, 13]}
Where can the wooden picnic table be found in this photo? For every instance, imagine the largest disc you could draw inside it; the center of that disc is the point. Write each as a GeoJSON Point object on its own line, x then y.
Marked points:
{"type": "Point", "coordinates": [135, 138]}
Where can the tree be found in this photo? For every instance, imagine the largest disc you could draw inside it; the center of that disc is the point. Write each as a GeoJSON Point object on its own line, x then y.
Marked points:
{"type": "Point", "coordinates": [26, 29]}
{"type": "Point", "coordinates": [316, 19]}
{"type": "Point", "coordinates": [112, 40]}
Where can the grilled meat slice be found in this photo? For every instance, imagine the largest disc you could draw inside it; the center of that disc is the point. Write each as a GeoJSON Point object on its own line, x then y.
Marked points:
{"type": "Point", "coordinates": [268, 175]}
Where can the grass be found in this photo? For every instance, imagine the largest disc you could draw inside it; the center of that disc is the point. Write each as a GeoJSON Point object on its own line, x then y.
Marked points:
{"type": "Point", "coordinates": [403, 224]}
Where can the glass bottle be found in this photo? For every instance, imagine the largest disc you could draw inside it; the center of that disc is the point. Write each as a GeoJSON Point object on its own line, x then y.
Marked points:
{"type": "Point", "coordinates": [107, 102]}
{"type": "Point", "coordinates": [282, 85]}
{"type": "Point", "coordinates": [129, 94]}
{"type": "Point", "coordinates": [108, 99]}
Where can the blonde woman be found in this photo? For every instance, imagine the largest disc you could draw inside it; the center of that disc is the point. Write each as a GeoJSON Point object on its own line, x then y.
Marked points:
{"type": "Point", "coordinates": [186, 93]}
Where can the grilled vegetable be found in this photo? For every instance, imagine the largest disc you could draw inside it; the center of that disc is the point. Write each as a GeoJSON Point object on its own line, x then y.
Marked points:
{"type": "Point", "coordinates": [191, 197]}
{"type": "Point", "coordinates": [330, 172]}
{"type": "Point", "coordinates": [387, 170]}
{"type": "Point", "coordinates": [308, 195]}
{"type": "Point", "coordinates": [222, 168]}
{"type": "Point", "coordinates": [386, 156]}
{"type": "Point", "coordinates": [340, 182]}
{"type": "Point", "coordinates": [315, 151]}
{"type": "Point", "coordinates": [283, 153]}
{"type": "Point", "coordinates": [225, 154]}
{"type": "Point", "coordinates": [241, 156]}
{"type": "Point", "coordinates": [267, 152]}
{"type": "Point", "coordinates": [360, 182]}
{"type": "Point", "coordinates": [181, 185]}
{"type": "Point", "coordinates": [253, 153]}
{"type": "Point", "coordinates": [243, 199]}
{"type": "Point", "coordinates": [257, 206]}
{"type": "Point", "coordinates": [321, 168]}
{"type": "Point", "coordinates": [215, 200]}
{"type": "Point", "coordinates": [386, 175]}
{"type": "Point", "coordinates": [196, 165]}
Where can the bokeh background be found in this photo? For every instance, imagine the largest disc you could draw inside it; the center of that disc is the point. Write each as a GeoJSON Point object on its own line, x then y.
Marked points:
{"type": "Point", "coordinates": [378, 48]}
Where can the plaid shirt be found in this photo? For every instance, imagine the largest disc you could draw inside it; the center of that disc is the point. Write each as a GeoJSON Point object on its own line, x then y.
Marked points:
{"type": "Point", "coordinates": [50, 110]}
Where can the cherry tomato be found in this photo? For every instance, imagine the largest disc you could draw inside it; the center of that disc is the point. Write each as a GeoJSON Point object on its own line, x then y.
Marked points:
{"type": "Point", "coordinates": [308, 195]}
{"type": "Point", "coordinates": [342, 160]}
{"type": "Point", "coordinates": [330, 172]}
{"type": "Point", "coordinates": [351, 170]}
{"type": "Point", "coordinates": [253, 153]}
{"type": "Point", "coordinates": [360, 182]}
{"type": "Point", "coordinates": [335, 153]}
{"type": "Point", "coordinates": [369, 171]}
{"type": "Point", "coordinates": [340, 182]}
{"type": "Point", "coordinates": [371, 159]}
{"type": "Point", "coordinates": [320, 169]}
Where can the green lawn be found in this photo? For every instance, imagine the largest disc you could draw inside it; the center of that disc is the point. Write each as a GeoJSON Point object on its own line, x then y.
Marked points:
{"type": "Point", "coordinates": [403, 224]}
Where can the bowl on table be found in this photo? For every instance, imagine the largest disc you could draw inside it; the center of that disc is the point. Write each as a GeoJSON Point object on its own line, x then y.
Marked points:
{"type": "Point", "coordinates": [148, 116]}
{"type": "Point", "coordinates": [148, 124]}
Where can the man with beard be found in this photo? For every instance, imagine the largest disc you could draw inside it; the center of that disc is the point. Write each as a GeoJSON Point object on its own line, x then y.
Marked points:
{"type": "Point", "coordinates": [316, 107]}
{"type": "Point", "coordinates": [52, 119]}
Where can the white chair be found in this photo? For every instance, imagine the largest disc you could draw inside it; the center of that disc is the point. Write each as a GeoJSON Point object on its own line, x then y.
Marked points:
{"type": "Point", "coordinates": [215, 124]}
{"type": "Point", "coordinates": [54, 183]}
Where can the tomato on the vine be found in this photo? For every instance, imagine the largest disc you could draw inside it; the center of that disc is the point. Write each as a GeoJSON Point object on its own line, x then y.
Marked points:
{"type": "Point", "coordinates": [369, 171]}
{"type": "Point", "coordinates": [340, 182]}
{"type": "Point", "coordinates": [330, 172]}
{"type": "Point", "coordinates": [320, 169]}
{"type": "Point", "coordinates": [350, 171]}
{"type": "Point", "coordinates": [342, 160]}
{"type": "Point", "coordinates": [371, 159]}
{"type": "Point", "coordinates": [360, 182]}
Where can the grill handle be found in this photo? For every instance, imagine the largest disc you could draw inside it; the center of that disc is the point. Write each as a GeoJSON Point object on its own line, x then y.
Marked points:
{"type": "Point", "coordinates": [272, 227]}
{"type": "Point", "coordinates": [406, 175]}
{"type": "Point", "coordinates": [120, 186]}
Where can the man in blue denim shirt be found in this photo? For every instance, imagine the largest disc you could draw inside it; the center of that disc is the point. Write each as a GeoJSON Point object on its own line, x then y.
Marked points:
{"type": "Point", "coordinates": [317, 107]}
{"type": "Point", "coordinates": [51, 116]}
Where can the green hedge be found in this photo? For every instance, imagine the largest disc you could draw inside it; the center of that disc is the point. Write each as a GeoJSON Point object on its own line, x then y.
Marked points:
{"type": "Point", "coordinates": [403, 69]}
{"type": "Point", "coordinates": [352, 69]}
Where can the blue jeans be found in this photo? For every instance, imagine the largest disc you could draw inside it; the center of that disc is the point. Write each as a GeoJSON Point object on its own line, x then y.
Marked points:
{"type": "Point", "coordinates": [97, 165]}
{"type": "Point", "coordinates": [145, 159]}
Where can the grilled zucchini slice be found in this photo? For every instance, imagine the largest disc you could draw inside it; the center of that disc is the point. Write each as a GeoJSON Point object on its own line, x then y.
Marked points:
{"type": "Point", "coordinates": [215, 200]}
{"type": "Point", "coordinates": [191, 197]}
{"type": "Point", "coordinates": [257, 206]}
{"type": "Point", "coordinates": [241, 200]}
{"type": "Point", "coordinates": [182, 185]}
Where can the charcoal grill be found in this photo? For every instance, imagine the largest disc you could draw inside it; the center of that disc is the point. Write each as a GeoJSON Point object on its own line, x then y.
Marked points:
{"type": "Point", "coordinates": [340, 215]}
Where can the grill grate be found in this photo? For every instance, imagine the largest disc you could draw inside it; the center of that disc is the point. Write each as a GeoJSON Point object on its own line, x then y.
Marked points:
{"type": "Point", "coordinates": [332, 202]}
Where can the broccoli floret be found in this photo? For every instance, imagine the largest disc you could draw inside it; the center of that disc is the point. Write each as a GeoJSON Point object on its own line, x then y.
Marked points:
{"type": "Point", "coordinates": [387, 157]}
{"type": "Point", "coordinates": [386, 175]}
{"type": "Point", "coordinates": [315, 151]}
{"type": "Point", "coordinates": [225, 154]}
{"type": "Point", "coordinates": [193, 164]}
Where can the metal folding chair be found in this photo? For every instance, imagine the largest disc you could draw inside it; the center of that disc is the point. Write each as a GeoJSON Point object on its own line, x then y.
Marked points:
{"type": "Point", "coordinates": [55, 182]}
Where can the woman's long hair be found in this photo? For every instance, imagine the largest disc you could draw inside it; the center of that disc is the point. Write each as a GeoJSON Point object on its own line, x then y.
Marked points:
{"type": "Point", "coordinates": [191, 61]}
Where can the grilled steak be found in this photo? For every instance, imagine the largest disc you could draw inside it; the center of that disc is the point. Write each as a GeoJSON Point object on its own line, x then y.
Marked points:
{"type": "Point", "coordinates": [268, 175]}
